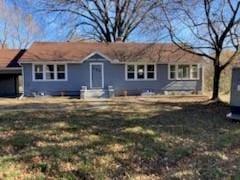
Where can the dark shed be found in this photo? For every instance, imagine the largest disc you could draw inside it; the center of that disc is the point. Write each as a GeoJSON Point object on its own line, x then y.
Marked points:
{"type": "Point", "coordinates": [10, 72]}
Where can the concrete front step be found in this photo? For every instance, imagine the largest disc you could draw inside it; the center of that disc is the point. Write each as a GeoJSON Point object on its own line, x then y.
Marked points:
{"type": "Point", "coordinates": [96, 93]}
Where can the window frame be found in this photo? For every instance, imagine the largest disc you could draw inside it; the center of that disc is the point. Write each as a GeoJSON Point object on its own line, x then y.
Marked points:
{"type": "Point", "coordinates": [198, 71]}
{"type": "Point", "coordinates": [169, 72]}
{"type": "Point", "coordinates": [34, 72]}
{"type": "Point", "coordinates": [154, 71]}
{"type": "Point", "coordinates": [44, 72]}
{"type": "Point", "coordinates": [134, 71]}
{"type": "Point", "coordinates": [60, 72]}
{"type": "Point", "coordinates": [138, 66]}
{"type": "Point", "coordinates": [189, 67]}
{"type": "Point", "coordinates": [176, 72]}
{"type": "Point", "coordinates": [50, 72]}
{"type": "Point", "coordinates": [145, 72]}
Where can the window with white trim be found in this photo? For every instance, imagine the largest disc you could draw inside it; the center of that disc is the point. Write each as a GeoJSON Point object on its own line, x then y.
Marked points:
{"type": "Point", "coordinates": [150, 71]}
{"type": "Point", "coordinates": [194, 71]}
{"type": "Point", "coordinates": [61, 71]}
{"type": "Point", "coordinates": [49, 72]}
{"type": "Point", "coordinates": [38, 72]}
{"type": "Point", "coordinates": [130, 72]}
{"type": "Point", "coordinates": [140, 72]}
{"type": "Point", "coordinates": [172, 71]}
{"type": "Point", "coordinates": [183, 71]}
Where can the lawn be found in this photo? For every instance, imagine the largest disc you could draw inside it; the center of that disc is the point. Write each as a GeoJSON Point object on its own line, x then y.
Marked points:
{"type": "Point", "coordinates": [123, 138]}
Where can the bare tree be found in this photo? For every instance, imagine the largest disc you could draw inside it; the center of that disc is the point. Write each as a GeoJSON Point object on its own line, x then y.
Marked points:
{"type": "Point", "coordinates": [103, 20]}
{"type": "Point", "coordinates": [17, 29]}
{"type": "Point", "coordinates": [205, 28]}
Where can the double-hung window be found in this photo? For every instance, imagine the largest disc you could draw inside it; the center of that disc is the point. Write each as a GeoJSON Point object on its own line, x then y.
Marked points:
{"type": "Point", "coordinates": [140, 72]}
{"type": "Point", "coordinates": [38, 72]}
{"type": "Point", "coordinates": [49, 72]}
{"type": "Point", "coordinates": [61, 75]}
{"type": "Point", "coordinates": [194, 72]}
{"type": "Point", "coordinates": [173, 72]}
{"type": "Point", "coordinates": [151, 71]}
{"type": "Point", "coordinates": [130, 72]}
{"type": "Point", "coordinates": [183, 72]}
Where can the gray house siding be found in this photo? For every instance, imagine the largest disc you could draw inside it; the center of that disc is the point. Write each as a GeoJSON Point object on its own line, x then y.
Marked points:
{"type": "Point", "coordinates": [114, 75]}
{"type": "Point", "coordinates": [235, 93]}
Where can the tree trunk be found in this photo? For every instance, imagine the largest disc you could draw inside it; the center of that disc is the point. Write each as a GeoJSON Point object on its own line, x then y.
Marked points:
{"type": "Point", "coordinates": [216, 81]}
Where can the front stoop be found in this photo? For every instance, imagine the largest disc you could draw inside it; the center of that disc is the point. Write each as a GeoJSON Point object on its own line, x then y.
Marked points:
{"type": "Point", "coordinates": [96, 93]}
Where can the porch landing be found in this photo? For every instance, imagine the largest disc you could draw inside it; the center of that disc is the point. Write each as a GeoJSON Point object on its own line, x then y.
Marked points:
{"type": "Point", "coordinates": [96, 93]}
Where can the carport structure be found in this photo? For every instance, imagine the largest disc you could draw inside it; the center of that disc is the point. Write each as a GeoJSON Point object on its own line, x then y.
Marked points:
{"type": "Point", "coordinates": [10, 71]}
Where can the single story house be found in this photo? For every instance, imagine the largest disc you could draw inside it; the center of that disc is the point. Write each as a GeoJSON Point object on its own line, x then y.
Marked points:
{"type": "Point", "coordinates": [235, 93]}
{"type": "Point", "coordinates": [91, 69]}
{"type": "Point", "coordinates": [10, 72]}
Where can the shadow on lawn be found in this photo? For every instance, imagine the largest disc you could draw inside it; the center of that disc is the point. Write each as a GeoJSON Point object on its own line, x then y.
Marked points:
{"type": "Point", "coordinates": [122, 141]}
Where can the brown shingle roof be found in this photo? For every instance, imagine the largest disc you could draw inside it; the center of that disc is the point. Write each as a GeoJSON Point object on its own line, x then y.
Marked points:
{"type": "Point", "coordinates": [121, 52]}
{"type": "Point", "coordinates": [9, 58]}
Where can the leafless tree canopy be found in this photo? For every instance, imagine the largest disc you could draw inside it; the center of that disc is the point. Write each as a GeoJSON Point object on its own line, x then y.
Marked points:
{"type": "Point", "coordinates": [206, 28]}
{"type": "Point", "coordinates": [104, 20]}
{"type": "Point", "coordinates": [17, 30]}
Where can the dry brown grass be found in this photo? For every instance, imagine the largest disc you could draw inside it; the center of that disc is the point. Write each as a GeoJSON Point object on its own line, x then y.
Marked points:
{"type": "Point", "coordinates": [124, 138]}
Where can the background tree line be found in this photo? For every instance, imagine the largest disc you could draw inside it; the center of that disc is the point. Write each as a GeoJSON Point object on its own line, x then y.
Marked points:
{"type": "Point", "coordinates": [17, 29]}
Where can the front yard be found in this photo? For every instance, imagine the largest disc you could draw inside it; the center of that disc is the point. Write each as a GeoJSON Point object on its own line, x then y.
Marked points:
{"type": "Point", "coordinates": [125, 138]}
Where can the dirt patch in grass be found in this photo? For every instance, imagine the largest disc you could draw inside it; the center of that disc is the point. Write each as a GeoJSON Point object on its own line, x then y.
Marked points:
{"type": "Point", "coordinates": [130, 138]}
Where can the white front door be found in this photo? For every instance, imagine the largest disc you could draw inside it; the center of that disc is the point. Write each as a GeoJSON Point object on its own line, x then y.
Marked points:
{"type": "Point", "coordinates": [96, 75]}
